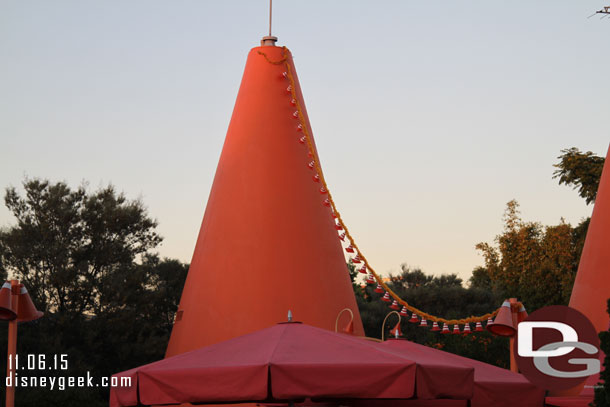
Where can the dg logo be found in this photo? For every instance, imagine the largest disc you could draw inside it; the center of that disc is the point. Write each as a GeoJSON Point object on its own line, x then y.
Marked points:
{"type": "Point", "coordinates": [557, 347]}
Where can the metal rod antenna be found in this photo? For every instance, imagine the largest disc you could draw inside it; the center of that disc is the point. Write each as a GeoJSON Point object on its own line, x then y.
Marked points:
{"type": "Point", "coordinates": [269, 40]}
{"type": "Point", "coordinates": [270, 15]}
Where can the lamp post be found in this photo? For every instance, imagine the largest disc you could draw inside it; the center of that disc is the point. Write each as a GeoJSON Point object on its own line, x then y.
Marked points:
{"type": "Point", "coordinates": [510, 315]}
{"type": "Point", "coordinates": [15, 306]}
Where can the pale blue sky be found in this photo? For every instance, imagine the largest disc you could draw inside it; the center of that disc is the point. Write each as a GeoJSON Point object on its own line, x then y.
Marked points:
{"type": "Point", "coordinates": [429, 116]}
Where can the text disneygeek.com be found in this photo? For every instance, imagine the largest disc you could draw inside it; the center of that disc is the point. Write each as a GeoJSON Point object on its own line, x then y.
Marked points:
{"type": "Point", "coordinates": [19, 368]}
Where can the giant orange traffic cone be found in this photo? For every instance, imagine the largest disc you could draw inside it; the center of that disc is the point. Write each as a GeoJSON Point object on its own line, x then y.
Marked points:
{"type": "Point", "coordinates": [592, 284]}
{"type": "Point", "coordinates": [268, 241]}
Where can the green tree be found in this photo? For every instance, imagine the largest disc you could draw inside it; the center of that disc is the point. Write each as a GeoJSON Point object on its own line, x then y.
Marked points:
{"type": "Point", "coordinates": [581, 171]}
{"type": "Point", "coordinates": [72, 249]}
{"type": "Point", "coordinates": [534, 263]}
{"type": "Point", "coordinates": [353, 273]}
{"type": "Point", "coordinates": [165, 282]}
{"type": "Point", "coordinates": [480, 278]}
{"type": "Point", "coordinates": [87, 260]}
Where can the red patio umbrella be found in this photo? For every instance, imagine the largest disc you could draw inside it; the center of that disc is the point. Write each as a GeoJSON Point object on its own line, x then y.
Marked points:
{"type": "Point", "coordinates": [286, 362]}
{"type": "Point", "coordinates": [438, 377]}
{"type": "Point", "coordinates": [493, 386]}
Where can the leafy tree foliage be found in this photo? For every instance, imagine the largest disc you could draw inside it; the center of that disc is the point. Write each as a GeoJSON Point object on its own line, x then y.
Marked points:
{"type": "Point", "coordinates": [353, 273]}
{"type": "Point", "coordinates": [581, 171]}
{"type": "Point", "coordinates": [71, 248]}
{"type": "Point", "coordinates": [86, 260]}
{"type": "Point", "coordinates": [534, 263]}
{"type": "Point", "coordinates": [480, 278]}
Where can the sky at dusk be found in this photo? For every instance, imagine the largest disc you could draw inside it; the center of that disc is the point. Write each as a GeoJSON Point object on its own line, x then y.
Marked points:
{"type": "Point", "coordinates": [428, 116]}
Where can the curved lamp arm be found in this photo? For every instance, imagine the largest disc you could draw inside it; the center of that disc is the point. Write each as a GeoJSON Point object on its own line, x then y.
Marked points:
{"type": "Point", "coordinates": [383, 324]}
{"type": "Point", "coordinates": [339, 315]}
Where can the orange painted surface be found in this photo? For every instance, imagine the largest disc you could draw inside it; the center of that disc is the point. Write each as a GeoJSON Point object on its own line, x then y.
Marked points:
{"type": "Point", "coordinates": [592, 285]}
{"type": "Point", "coordinates": [267, 244]}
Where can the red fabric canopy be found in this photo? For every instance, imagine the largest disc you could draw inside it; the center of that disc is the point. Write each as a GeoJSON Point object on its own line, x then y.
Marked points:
{"type": "Point", "coordinates": [437, 376]}
{"type": "Point", "coordinates": [288, 361]}
{"type": "Point", "coordinates": [493, 386]}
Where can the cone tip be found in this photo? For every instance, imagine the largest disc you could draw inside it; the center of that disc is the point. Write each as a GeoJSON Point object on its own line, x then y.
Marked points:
{"type": "Point", "coordinates": [268, 41]}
